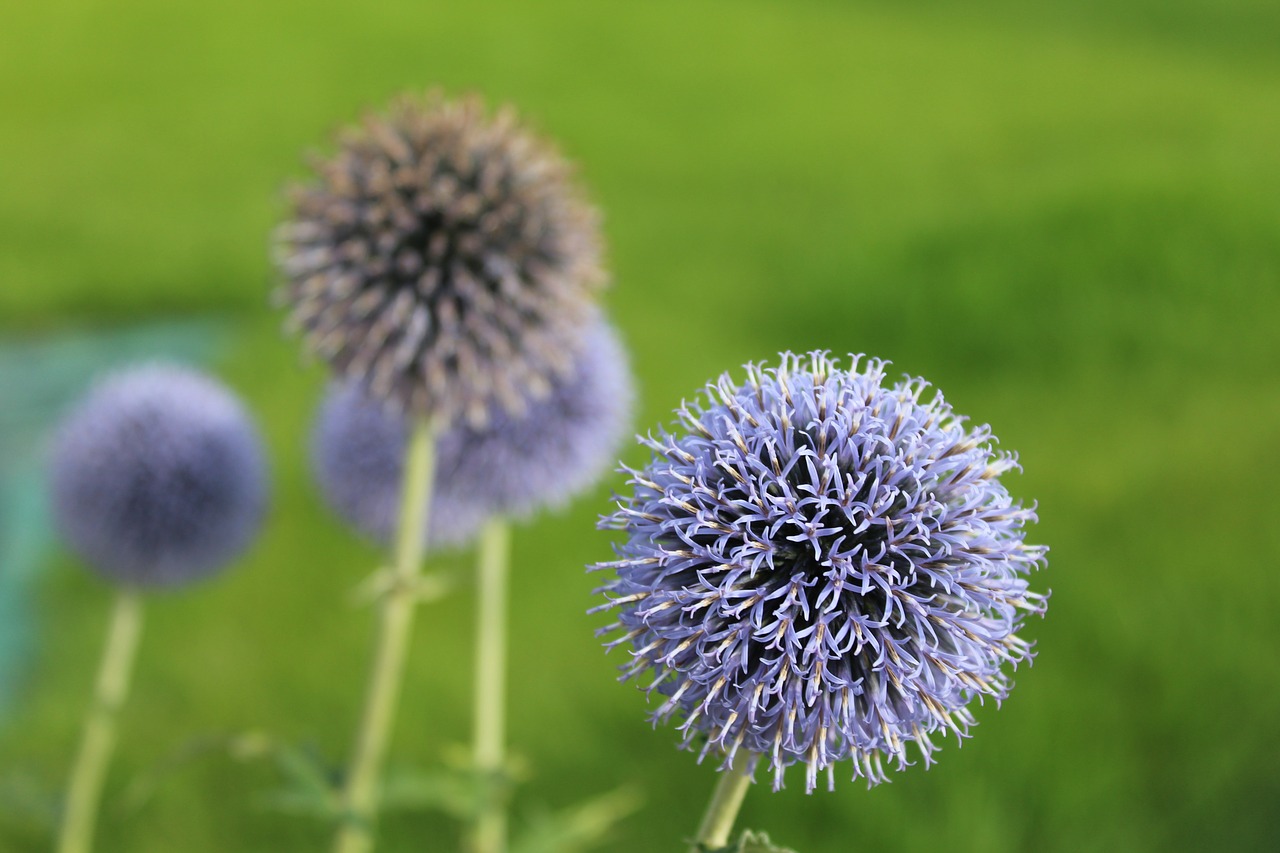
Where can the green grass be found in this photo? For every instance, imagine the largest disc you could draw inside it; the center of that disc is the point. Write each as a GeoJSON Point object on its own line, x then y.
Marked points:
{"type": "Point", "coordinates": [1063, 215]}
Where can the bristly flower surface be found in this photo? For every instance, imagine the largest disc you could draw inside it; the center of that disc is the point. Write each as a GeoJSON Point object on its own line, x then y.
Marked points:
{"type": "Point", "coordinates": [818, 567]}
{"type": "Point", "coordinates": [158, 477]}
{"type": "Point", "coordinates": [444, 259]}
{"type": "Point", "coordinates": [512, 466]}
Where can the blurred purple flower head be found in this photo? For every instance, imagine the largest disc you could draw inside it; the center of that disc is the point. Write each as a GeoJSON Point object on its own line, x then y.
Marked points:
{"type": "Point", "coordinates": [157, 477]}
{"type": "Point", "coordinates": [444, 259]}
{"type": "Point", "coordinates": [512, 466]}
{"type": "Point", "coordinates": [818, 567]}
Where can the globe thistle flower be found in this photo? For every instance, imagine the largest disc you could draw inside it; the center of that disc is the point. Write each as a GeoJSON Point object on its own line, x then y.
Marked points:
{"type": "Point", "coordinates": [444, 258]}
{"type": "Point", "coordinates": [157, 477]}
{"type": "Point", "coordinates": [819, 567]}
{"type": "Point", "coordinates": [512, 466]}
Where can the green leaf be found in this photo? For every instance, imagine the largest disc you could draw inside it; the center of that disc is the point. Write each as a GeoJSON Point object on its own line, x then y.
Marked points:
{"type": "Point", "coordinates": [579, 827]}
{"type": "Point", "coordinates": [455, 791]}
{"type": "Point", "coordinates": [144, 787]}
{"type": "Point", "coordinates": [309, 784]}
{"type": "Point", "coordinates": [752, 842]}
{"type": "Point", "coordinates": [309, 788]}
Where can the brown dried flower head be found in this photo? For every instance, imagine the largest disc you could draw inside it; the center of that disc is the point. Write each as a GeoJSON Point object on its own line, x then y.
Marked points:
{"type": "Point", "coordinates": [444, 258]}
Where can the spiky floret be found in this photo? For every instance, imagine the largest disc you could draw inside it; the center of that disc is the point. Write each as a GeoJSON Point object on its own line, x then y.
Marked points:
{"type": "Point", "coordinates": [818, 567]}
{"type": "Point", "coordinates": [512, 466]}
{"type": "Point", "coordinates": [444, 258]}
{"type": "Point", "coordinates": [157, 478]}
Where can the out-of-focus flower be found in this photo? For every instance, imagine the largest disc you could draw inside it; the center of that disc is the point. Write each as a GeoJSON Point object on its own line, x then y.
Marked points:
{"type": "Point", "coordinates": [444, 259]}
{"type": "Point", "coordinates": [157, 477]}
{"type": "Point", "coordinates": [514, 465]}
{"type": "Point", "coordinates": [818, 567]}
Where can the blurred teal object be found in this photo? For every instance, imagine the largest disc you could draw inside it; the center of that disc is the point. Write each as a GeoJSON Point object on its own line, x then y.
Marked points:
{"type": "Point", "coordinates": [39, 377]}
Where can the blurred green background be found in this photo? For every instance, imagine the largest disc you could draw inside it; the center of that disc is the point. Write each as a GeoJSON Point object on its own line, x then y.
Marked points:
{"type": "Point", "coordinates": [1067, 216]}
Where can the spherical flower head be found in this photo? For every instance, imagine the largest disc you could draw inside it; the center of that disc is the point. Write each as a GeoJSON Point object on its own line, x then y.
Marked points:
{"type": "Point", "coordinates": [444, 259]}
{"type": "Point", "coordinates": [819, 567]}
{"type": "Point", "coordinates": [157, 477]}
{"type": "Point", "coordinates": [512, 466]}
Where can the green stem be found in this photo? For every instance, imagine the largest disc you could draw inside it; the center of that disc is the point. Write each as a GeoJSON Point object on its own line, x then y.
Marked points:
{"type": "Point", "coordinates": [99, 738]}
{"type": "Point", "coordinates": [722, 811]}
{"type": "Point", "coordinates": [360, 795]}
{"type": "Point", "coordinates": [490, 693]}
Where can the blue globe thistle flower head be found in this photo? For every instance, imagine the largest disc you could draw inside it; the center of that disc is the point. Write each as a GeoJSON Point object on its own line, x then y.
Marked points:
{"type": "Point", "coordinates": [820, 567]}
{"type": "Point", "coordinates": [157, 478]}
{"type": "Point", "coordinates": [514, 465]}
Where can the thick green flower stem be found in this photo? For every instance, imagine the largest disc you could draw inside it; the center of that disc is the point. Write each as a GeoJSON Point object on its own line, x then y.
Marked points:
{"type": "Point", "coordinates": [490, 694]}
{"type": "Point", "coordinates": [99, 738]}
{"type": "Point", "coordinates": [360, 795]}
{"type": "Point", "coordinates": [722, 811]}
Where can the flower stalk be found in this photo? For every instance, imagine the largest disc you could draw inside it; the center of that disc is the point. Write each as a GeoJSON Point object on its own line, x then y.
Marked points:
{"type": "Point", "coordinates": [722, 811]}
{"type": "Point", "coordinates": [360, 794]}
{"type": "Point", "coordinates": [99, 738]}
{"type": "Point", "coordinates": [490, 833]}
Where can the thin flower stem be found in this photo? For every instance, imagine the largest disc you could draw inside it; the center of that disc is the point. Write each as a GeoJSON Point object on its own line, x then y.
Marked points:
{"type": "Point", "coordinates": [490, 684]}
{"type": "Point", "coordinates": [360, 795]}
{"type": "Point", "coordinates": [99, 738]}
{"type": "Point", "coordinates": [722, 811]}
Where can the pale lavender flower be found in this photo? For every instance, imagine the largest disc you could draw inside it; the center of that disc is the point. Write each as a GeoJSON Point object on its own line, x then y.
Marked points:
{"type": "Point", "coordinates": [818, 567]}
{"type": "Point", "coordinates": [512, 466]}
{"type": "Point", "coordinates": [444, 258]}
{"type": "Point", "coordinates": [157, 477]}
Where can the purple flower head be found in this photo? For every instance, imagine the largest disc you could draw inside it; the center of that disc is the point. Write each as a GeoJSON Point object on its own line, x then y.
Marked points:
{"type": "Point", "coordinates": [157, 477]}
{"type": "Point", "coordinates": [818, 567]}
{"type": "Point", "coordinates": [444, 258]}
{"type": "Point", "coordinates": [512, 466]}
